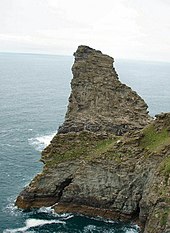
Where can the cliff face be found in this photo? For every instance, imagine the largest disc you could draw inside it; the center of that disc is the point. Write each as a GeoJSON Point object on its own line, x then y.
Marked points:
{"type": "Point", "coordinates": [94, 171]}
{"type": "Point", "coordinates": [99, 101]}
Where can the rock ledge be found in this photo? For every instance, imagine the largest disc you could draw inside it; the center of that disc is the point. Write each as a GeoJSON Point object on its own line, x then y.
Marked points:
{"type": "Point", "coordinates": [92, 166]}
{"type": "Point", "coordinates": [99, 101]}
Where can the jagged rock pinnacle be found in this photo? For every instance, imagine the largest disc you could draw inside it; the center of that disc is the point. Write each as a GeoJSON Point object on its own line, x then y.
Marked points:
{"type": "Point", "coordinates": [99, 101]}
{"type": "Point", "coordinates": [100, 174]}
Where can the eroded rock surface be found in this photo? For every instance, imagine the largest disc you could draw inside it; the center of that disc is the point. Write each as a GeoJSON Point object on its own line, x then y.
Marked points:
{"type": "Point", "coordinates": [98, 100]}
{"type": "Point", "coordinates": [96, 172]}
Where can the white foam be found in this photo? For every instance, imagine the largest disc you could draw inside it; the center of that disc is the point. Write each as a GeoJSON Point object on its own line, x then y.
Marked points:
{"type": "Point", "coordinates": [89, 228]}
{"type": "Point", "coordinates": [30, 223]}
{"type": "Point", "coordinates": [48, 210]}
{"type": "Point", "coordinates": [11, 208]}
{"type": "Point", "coordinates": [67, 217]}
{"type": "Point", "coordinates": [98, 218]}
{"type": "Point", "coordinates": [133, 230]}
{"type": "Point", "coordinates": [40, 142]}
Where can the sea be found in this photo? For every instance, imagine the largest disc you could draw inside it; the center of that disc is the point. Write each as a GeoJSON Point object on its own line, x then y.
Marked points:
{"type": "Point", "coordinates": [34, 91]}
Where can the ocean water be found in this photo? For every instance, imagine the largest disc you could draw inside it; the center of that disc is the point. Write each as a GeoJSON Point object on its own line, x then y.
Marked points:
{"type": "Point", "coordinates": [34, 92]}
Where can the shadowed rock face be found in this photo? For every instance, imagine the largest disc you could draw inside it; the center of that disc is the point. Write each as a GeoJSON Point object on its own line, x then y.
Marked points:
{"type": "Point", "coordinates": [95, 172]}
{"type": "Point", "coordinates": [98, 100]}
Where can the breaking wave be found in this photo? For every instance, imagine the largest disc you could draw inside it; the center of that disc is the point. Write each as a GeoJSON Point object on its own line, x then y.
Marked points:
{"type": "Point", "coordinates": [40, 142]}
{"type": "Point", "coordinates": [31, 223]}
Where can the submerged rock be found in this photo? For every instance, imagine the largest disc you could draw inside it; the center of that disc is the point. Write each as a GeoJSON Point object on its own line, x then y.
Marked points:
{"type": "Point", "coordinates": [94, 171]}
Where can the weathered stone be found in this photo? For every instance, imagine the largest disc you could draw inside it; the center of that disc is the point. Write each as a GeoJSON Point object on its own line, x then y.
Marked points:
{"type": "Point", "coordinates": [94, 172]}
{"type": "Point", "coordinates": [99, 101]}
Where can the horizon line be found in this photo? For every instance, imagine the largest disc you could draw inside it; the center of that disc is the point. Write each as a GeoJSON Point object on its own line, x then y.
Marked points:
{"type": "Point", "coordinates": [64, 55]}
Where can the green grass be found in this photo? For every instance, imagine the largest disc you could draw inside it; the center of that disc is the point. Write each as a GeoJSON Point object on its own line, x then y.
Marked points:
{"type": "Point", "coordinates": [164, 217]}
{"type": "Point", "coordinates": [165, 167]}
{"type": "Point", "coordinates": [103, 146]}
{"type": "Point", "coordinates": [154, 140]}
{"type": "Point", "coordinates": [84, 145]}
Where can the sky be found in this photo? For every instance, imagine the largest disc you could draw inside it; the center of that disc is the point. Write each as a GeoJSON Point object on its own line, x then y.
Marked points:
{"type": "Point", "coordinates": [129, 29]}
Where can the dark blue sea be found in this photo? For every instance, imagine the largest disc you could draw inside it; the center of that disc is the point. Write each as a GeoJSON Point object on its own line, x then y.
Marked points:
{"type": "Point", "coordinates": [34, 92]}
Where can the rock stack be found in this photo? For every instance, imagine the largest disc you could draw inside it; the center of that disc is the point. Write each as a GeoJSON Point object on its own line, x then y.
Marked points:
{"type": "Point", "coordinates": [99, 101]}
{"type": "Point", "coordinates": [90, 170]}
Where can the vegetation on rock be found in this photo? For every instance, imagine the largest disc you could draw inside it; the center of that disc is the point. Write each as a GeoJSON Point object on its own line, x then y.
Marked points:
{"type": "Point", "coordinates": [108, 158]}
{"type": "Point", "coordinates": [154, 139]}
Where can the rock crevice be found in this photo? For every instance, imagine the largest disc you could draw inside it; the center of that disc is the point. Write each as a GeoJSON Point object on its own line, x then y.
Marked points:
{"type": "Point", "coordinates": [98, 100]}
{"type": "Point", "coordinates": [108, 158]}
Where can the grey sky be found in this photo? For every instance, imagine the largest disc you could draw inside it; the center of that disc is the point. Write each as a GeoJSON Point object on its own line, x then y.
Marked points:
{"type": "Point", "coordinates": [135, 29]}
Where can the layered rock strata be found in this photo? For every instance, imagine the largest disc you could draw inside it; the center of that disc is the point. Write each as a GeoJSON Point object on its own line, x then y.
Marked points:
{"type": "Point", "coordinates": [98, 100]}
{"type": "Point", "coordinates": [96, 172]}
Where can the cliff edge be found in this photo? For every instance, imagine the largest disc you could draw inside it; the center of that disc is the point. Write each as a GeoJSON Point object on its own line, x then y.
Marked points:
{"type": "Point", "coordinates": [108, 158]}
{"type": "Point", "coordinates": [99, 101]}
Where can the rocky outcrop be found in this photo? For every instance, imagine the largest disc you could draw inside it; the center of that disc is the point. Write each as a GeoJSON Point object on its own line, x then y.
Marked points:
{"type": "Point", "coordinates": [97, 172]}
{"type": "Point", "coordinates": [98, 100]}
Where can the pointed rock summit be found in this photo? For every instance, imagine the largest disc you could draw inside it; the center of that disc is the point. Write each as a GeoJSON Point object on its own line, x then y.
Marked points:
{"type": "Point", "coordinates": [98, 100]}
{"type": "Point", "coordinates": [92, 171]}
